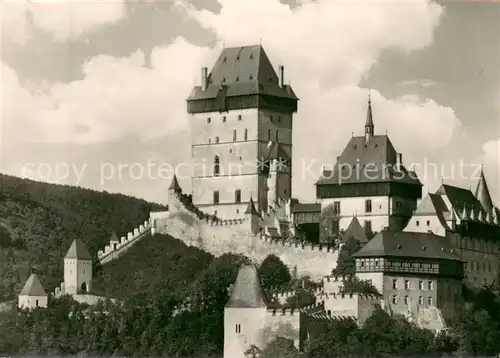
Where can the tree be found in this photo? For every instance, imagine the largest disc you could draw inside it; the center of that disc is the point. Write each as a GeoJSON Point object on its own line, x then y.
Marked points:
{"type": "Point", "coordinates": [352, 284]}
{"type": "Point", "coordinates": [281, 348]}
{"type": "Point", "coordinates": [302, 298]}
{"type": "Point", "coordinates": [274, 273]}
{"type": "Point", "coordinates": [346, 265]}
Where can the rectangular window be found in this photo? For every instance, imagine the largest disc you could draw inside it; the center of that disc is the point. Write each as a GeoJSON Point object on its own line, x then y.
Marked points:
{"type": "Point", "coordinates": [239, 117]}
{"type": "Point", "coordinates": [216, 197]}
{"type": "Point", "coordinates": [208, 120]}
{"type": "Point", "coordinates": [368, 227]}
{"type": "Point", "coordinates": [223, 119]}
{"type": "Point", "coordinates": [430, 300]}
{"type": "Point", "coordinates": [395, 284]}
{"type": "Point", "coordinates": [36, 303]}
{"type": "Point", "coordinates": [238, 328]}
{"type": "Point", "coordinates": [420, 300]}
{"type": "Point", "coordinates": [406, 300]}
{"type": "Point", "coordinates": [429, 285]}
{"type": "Point", "coordinates": [420, 285]}
{"type": "Point", "coordinates": [407, 285]}
{"type": "Point", "coordinates": [394, 299]}
{"type": "Point", "coordinates": [336, 207]}
{"type": "Point", "coordinates": [368, 206]}
{"type": "Point", "coordinates": [237, 196]}
{"type": "Point", "coordinates": [418, 223]}
{"type": "Point", "coordinates": [246, 134]}
{"type": "Point", "coordinates": [428, 223]}
{"type": "Point", "coordinates": [234, 135]}
{"type": "Point", "coordinates": [216, 139]}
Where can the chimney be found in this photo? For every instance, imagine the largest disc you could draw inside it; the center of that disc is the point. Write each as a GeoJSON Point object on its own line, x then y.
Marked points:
{"type": "Point", "coordinates": [204, 79]}
{"type": "Point", "coordinates": [281, 76]}
{"type": "Point", "coordinates": [399, 161]}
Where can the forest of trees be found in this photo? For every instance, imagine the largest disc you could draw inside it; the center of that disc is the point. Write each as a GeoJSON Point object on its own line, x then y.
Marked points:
{"type": "Point", "coordinates": [171, 297]}
{"type": "Point", "coordinates": [39, 221]}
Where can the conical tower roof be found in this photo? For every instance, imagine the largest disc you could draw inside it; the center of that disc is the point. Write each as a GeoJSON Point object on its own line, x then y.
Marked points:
{"type": "Point", "coordinates": [174, 185]}
{"type": "Point", "coordinates": [369, 115]}
{"type": "Point", "coordinates": [483, 194]}
{"type": "Point", "coordinates": [251, 208]}
{"type": "Point", "coordinates": [247, 290]}
{"type": "Point", "coordinates": [472, 215]}
{"type": "Point", "coordinates": [33, 287]}
{"type": "Point", "coordinates": [78, 250]}
{"type": "Point", "coordinates": [480, 216]}
{"type": "Point", "coordinates": [464, 216]}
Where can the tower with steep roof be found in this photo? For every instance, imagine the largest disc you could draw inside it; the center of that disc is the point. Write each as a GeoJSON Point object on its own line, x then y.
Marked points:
{"type": "Point", "coordinates": [33, 294]}
{"type": "Point", "coordinates": [245, 314]}
{"type": "Point", "coordinates": [241, 121]}
{"type": "Point", "coordinates": [483, 193]}
{"type": "Point", "coordinates": [77, 269]}
{"type": "Point", "coordinates": [368, 181]}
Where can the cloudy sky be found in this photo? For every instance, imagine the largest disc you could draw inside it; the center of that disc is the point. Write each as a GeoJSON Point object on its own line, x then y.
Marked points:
{"type": "Point", "coordinates": [93, 94]}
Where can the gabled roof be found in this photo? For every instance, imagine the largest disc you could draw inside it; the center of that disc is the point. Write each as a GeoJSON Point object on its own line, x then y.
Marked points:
{"type": "Point", "coordinates": [483, 193]}
{"type": "Point", "coordinates": [363, 162]}
{"type": "Point", "coordinates": [408, 244]}
{"type": "Point", "coordinates": [247, 290]}
{"type": "Point", "coordinates": [460, 198]}
{"type": "Point", "coordinates": [79, 251]}
{"type": "Point", "coordinates": [356, 231]}
{"type": "Point", "coordinates": [434, 204]}
{"type": "Point", "coordinates": [243, 71]}
{"type": "Point", "coordinates": [33, 287]}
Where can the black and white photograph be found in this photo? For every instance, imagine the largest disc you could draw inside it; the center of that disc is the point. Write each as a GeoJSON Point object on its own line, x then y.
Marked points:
{"type": "Point", "coordinates": [249, 178]}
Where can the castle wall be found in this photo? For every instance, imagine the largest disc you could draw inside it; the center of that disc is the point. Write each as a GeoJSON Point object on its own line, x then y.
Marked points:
{"type": "Point", "coordinates": [32, 302]}
{"type": "Point", "coordinates": [234, 236]}
{"type": "Point", "coordinates": [282, 323]}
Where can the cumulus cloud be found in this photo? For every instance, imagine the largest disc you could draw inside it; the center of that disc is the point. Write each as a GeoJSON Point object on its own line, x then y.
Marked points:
{"type": "Point", "coordinates": [327, 48]}
{"type": "Point", "coordinates": [119, 97]}
{"type": "Point", "coordinates": [64, 20]}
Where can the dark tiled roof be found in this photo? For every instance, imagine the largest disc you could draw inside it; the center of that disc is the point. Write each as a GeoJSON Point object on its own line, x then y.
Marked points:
{"type": "Point", "coordinates": [247, 291]}
{"type": "Point", "coordinates": [483, 193]}
{"type": "Point", "coordinates": [374, 161]}
{"type": "Point", "coordinates": [243, 71]}
{"type": "Point", "coordinates": [356, 231]}
{"type": "Point", "coordinates": [459, 198]}
{"type": "Point", "coordinates": [33, 287]}
{"type": "Point", "coordinates": [408, 244]}
{"type": "Point", "coordinates": [79, 251]}
{"type": "Point", "coordinates": [306, 208]}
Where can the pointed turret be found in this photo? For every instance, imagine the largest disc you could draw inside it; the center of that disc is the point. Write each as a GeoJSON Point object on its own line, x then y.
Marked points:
{"type": "Point", "coordinates": [369, 127]}
{"type": "Point", "coordinates": [464, 216]}
{"type": "Point", "coordinates": [480, 216]}
{"type": "Point", "coordinates": [251, 208]}
{"type": "Point", "coordinates": [247, 291]}
{"type": "Point", "coordinates": [78, 251]}
{"type": "Point", "coordinates": [174, 185]}
{"type": "Point", "coordinates": [483, 194]}
{"type": "Point", "coordinates": [33, 287]}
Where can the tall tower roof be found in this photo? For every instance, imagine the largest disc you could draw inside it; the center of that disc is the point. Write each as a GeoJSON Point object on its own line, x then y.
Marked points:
{"type": "Point", "coordinates": [243, 71]}
{"type": "Point", "coordinates": [483, 194]}
{"type": "Point", "coordinates": [78, 250]}
{"type": "Point", "coordinates": [33, 287]}
{"type": "Point", "coordinates": [369, 127]}
{"type": "Point", "coordinates": [247, 290]}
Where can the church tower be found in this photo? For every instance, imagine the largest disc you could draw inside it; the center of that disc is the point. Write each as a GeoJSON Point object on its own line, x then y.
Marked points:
{"type": "Point", "coordinates": [241, 120]}
{"type": "Point", "coordinates": [77, 269]}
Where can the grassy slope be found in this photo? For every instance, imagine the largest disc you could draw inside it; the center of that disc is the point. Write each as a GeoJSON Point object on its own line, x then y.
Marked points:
{"type": "Point", "coordinates": [38, 222]}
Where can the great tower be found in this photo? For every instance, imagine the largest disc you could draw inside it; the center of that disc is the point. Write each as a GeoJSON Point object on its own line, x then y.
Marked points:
{"type": "Point", "coordinates": [241, 134]}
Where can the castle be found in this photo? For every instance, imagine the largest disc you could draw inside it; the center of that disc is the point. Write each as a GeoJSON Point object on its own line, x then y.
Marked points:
{"type": "Point", "coordinates": [416, 252]}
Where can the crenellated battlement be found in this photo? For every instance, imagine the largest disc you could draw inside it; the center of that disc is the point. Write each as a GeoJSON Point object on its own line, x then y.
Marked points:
{"type": "Point", "coordinates": [283, 311]}
{"type": "Point", "coordinates": [116, 247]}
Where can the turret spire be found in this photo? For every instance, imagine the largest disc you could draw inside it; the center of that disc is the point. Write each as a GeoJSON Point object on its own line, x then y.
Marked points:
{"type": "Point", "coordinates": [369, 127]}
{"type": "Point", "coordinates": [483, 194]}
{"type": "Point", "coordinates": [174, 185]}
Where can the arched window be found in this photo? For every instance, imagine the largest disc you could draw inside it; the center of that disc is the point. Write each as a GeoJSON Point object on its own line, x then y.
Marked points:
{"type": "Point", "coordinates": [246, 134]}
{"type": "Point", "coordinates": [234, 135]}
{"type": "Point", "coordinates": [216, 166]}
